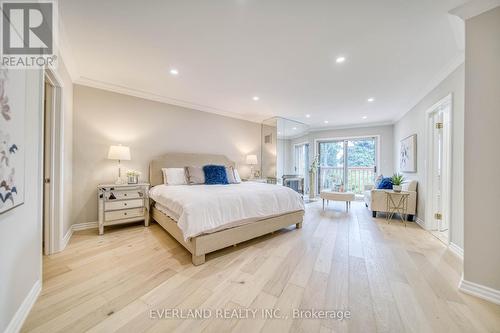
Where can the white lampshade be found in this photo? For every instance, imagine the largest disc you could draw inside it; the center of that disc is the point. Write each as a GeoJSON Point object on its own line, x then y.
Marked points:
{"type": "Point", "coordinates": [252, 159]}
{"type": "Point", "coordinates": [119, 153]}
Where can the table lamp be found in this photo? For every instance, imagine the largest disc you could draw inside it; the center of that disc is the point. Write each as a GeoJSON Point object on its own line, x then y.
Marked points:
{"type": "Point", "coordinates": [120, 153]}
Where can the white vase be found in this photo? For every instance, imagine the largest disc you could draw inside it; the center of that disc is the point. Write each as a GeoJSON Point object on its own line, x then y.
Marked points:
{"type": "Point", "coordinates": [397, 188]}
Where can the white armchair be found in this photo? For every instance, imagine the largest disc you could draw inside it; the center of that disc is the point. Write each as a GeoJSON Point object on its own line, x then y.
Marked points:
{"type": "Point", "coordinates": [376, 200]}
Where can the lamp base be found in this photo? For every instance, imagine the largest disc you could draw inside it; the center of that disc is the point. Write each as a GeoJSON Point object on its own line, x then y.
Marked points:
{"type": "Point", "coordinates": [119, 181]}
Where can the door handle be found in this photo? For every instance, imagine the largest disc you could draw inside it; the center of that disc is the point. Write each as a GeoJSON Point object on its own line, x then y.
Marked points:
{"type": "Point", "coordinates": [46, 180]}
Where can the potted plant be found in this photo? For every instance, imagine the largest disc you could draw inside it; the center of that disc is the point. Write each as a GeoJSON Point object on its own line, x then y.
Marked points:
{"type": "Point", "coordinates": [312, 177]}
{"type": "Point", "coordinates": [133, 176]}
{"type": "Point", "coordinates": [397, 180]}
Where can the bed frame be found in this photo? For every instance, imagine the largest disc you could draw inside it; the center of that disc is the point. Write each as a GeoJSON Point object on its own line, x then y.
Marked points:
{"type": "Point", "coordinates": [203, 244]}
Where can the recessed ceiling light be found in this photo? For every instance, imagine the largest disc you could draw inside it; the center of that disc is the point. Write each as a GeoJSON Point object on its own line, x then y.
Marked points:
{"type": "Point", "coordinates": [295, 128]}
{"type": "Point", "coordinates": [308, 116]}
{"type": "Point", "coordinates": [256, 98]}
{"type": "Point", "coordinates": [174, 71]}
{"type": "Point", "coordinates": [326, 121]}
{"type": "Point", "coordinates": [364, 117]}
{"type": "Point", "coordinates": [340, 60]}
{"type": "Point", "coordinates": [371, 99]}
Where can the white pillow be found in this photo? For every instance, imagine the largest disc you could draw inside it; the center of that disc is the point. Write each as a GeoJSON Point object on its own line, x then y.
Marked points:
{"type": "Point", "coordinates": [236, 176]}
{"type": "Point", "coordinates": [174, 176]}
{"type": "Point", "coordinates": [230, 175]}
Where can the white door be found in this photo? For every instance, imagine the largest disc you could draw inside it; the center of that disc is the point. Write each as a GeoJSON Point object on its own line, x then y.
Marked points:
{"type": "Point", "coordinates": [440, 168]}
{"type": "Point", "coordinates": [437, 172]}
{"type": "Point", "coordinates": [47, 167]}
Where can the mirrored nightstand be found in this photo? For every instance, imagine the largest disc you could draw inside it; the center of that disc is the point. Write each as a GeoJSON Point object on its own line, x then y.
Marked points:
{"type": "Point", "coordinates": [125, 203]}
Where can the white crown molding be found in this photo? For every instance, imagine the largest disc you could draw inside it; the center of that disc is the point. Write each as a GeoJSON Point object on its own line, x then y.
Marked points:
{"type": "Point", "coordinates": [478, 290]}
{"type": "Point", "coordinates": [449, 68]}
{"type": "Point", "coordinates": [474, 8]}
{"type": "Point", "coordinates": [84, 81]}
{"type": "Point", "coordinates": [363, 125]}
{"type": "Point", "coordinates": [457, 250]}
{"type": "Point", "coordinates": [22, 312]}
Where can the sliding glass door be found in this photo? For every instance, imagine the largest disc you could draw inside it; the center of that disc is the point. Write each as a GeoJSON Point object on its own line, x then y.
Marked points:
{"type": "Point", "coordinates": [331, 173]}
{"type": "Point", "coordinates": [347, 164]}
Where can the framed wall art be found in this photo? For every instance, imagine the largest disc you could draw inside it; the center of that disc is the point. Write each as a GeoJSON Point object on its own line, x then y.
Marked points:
{"type": "Point", "coordinates": [12, 136]}
{"type": "Point", "coordinates": [408, 154]}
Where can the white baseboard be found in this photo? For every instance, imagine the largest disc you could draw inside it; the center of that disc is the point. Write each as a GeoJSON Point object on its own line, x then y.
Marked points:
{"type": "Point", "coordinates": [420, 222]}
{"type": "Point", "coordinates": [21, 314]}
{"type": "Point", "coordinates": [456, 249]}
{"type": "Point", "coordinates": [75, 227]}
{"type": "Point", "coordinates": [478, 290]}
{"type": "Point", "coordinates": [84, 226]}
{"type": "Point", "coordinates": [66, 239]}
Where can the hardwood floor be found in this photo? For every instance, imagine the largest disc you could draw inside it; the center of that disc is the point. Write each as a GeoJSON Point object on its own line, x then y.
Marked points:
{"type": "Point", "coordinates": [390, 278]}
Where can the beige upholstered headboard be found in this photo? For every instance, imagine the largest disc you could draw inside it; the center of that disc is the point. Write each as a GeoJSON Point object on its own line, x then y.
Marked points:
{"type": "Point", "coordinates": [180, 160]}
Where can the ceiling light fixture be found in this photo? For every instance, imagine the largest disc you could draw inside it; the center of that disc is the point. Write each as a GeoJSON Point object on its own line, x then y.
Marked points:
{"type": "Point", "coordinates": [340, 60]}
{"type": "Point", "coordinates": [308, 116]}
{"type": "Point", "coordinates": [326, 121]}
{"type": "Point", "coordinates": [256, 98]}
{"type": "Point", "coordinates": [371, 99]}
{"type": "Point", "coordinates": [364, 117]}
{"type": "Point", "coordinates": [174, 71]}
{"type": "Point", "coordinates": [295, 128]}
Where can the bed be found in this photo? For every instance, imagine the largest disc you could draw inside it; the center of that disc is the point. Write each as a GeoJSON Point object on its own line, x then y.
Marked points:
{"type": "Point", "coordinates": [206, 218]}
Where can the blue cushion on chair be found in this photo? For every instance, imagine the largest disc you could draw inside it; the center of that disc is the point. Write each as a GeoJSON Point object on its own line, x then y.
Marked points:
{"type": "Point", "coordinates": [385, 184]}
{"type": "Point", "coordinates": [215, 174]}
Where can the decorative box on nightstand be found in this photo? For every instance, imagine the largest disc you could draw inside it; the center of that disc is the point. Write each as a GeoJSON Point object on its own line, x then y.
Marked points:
{"type": "Point", "coordinates": [125, 203]}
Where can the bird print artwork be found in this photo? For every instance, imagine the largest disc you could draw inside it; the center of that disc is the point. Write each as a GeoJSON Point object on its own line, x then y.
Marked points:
{"type": "Point", "coordinates": [13, 149]}
{"type": "Point", "coordinates": [12, 107]}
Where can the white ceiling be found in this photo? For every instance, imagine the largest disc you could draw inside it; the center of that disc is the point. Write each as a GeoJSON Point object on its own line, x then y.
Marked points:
{"type": "Point", "coordinates": [283, 51]}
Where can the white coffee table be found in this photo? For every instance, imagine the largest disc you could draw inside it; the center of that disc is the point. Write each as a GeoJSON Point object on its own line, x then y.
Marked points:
{"type": "Point", "coordinates": [337, 196]}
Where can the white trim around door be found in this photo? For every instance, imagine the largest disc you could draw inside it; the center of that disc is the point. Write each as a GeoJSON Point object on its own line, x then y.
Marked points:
{"type": "Point", "coordinates": [54, 238]}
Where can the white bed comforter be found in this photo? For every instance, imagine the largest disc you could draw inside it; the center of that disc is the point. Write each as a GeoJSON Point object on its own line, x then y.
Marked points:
{"type": "Point", "coordinates": [208, 208]}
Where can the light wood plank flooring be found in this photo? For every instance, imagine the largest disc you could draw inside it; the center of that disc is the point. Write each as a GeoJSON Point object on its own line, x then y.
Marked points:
{"type": "Point", "coordinates": [391, 279]}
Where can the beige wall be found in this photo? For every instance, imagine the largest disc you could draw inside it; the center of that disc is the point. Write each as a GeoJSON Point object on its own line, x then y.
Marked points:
{"type": "Point", "coordinates": [103, 118]}
{"type": "Point", "coordinates": [414, 122]}
{"type": "Point", "coordinates": [482, 152]}
{"type": "Point", "coordinates": [20, 228]}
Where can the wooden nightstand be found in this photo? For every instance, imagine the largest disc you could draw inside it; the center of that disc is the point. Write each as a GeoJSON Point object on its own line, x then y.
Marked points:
{"type": "Point", "coordinates": [125, 203]}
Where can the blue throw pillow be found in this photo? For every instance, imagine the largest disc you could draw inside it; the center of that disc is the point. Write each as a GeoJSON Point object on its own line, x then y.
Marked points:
{"type": "Point", "coordinates": [385, 184]}
{"type": "Point", "coordinates": [215, 174]}
{"type": "Point", "coordinates": [378, 180]}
